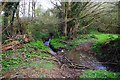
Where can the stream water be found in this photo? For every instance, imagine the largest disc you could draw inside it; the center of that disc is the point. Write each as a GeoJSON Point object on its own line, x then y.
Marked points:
{"type": "Point", "coordinates": [82, 58]}
{"type": "Point", "coordinates": [86, 59]}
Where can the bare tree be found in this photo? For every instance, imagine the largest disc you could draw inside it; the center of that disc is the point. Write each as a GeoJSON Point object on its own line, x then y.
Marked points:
{"type": "Point", "coordinates": [33, 8]}
{"type": "Point", "coordinates": [29, 9]}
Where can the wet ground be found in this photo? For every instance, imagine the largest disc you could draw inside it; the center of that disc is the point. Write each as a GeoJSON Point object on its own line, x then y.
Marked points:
{"type": "Point", "coordinates": [84, 56]}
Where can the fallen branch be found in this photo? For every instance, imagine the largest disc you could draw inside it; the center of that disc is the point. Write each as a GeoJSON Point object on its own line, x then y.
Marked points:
{"type": "Point", "coordinates": [65, 60]}
{"type": "Point", "coordinates": [50, 52]}
{"type": "Point", "coordinates": [12, 45]}
{"type": "Point", "coordinates": [70, 64]}
{"type": "Point", "coordinates": [75, 66]}
{"type": "Point", "coordinates": [15, 43]}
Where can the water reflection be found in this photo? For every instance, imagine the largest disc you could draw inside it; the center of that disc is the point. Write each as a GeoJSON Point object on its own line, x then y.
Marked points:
{"type": "Point", "coordinates": [85, 59]}
{"type": "Point", "coordinates": [101, 67]}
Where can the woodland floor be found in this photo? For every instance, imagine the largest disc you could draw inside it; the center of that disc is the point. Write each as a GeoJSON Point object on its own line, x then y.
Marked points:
{"type": "Point", "coordinates": [58, 71]}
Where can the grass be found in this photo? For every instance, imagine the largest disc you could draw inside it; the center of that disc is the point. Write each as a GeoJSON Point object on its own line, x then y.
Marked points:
{"type": "Point", "coordinates": [99, 74]}
{"type": "Point", "coordinates": [105, 37]}
{"type": "Point", "coordinates": [99, 39]}
{"type": "Point", "coordinates": [56, 42]}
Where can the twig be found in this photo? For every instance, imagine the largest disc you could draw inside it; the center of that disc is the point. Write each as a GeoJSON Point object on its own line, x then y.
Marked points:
{"type": "Point", "coordinates": [76, 66]}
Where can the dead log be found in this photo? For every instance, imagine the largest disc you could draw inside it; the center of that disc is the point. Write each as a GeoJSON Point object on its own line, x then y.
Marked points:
{"type": "Point", "coordinates": [26, 38]}
{"type": "Point", "coordinates": [15, 43]}
{"type": "Point", "coordinates": [12, 45]}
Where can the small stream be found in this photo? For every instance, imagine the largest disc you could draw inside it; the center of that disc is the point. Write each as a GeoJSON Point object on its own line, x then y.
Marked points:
{"type": "Point", "coordinates": [82, 58]}
{"type": "Point", "coordinates": [86, 59]}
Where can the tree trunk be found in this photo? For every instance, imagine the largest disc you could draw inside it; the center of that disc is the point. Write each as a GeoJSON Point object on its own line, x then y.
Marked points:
{"type": "Point", "coordinates": [29, 10]}
{"type": "Point", "coordinates": [33, 8]}
{"type": "Point", "coordinates": [119, 17]}
{"type": "Point", "coordinates": [65, 19]}
{"type": "Point", "coordinates": [13, 31]}
{"type": "Point", "coordinates": [18, 22]}
{"type": "Point", "coordinates": [24, 8]}
{"type": "Point", "coordinates": [76, 27]}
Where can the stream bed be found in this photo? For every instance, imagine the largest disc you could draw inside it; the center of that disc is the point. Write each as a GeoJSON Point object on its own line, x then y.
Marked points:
{"type": "Point", "coordinates": [85, 59]}
{"type": "Point", "coordinates": [88, 60]}
{"type": "Point", "coordinates": [84, 56]}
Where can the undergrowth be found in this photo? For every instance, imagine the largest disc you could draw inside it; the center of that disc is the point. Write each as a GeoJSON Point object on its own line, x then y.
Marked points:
{"type": "Point", "coordinates": [101, 39]}
{"type": "Point", "coordinates": [32, 51]}
{"type": "Point", "coordinates": [99, 74]}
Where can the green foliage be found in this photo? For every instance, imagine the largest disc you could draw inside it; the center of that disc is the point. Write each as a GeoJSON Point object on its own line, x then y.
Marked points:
{"type": "Point", "coordinates": [39, 35]}
{"type": "Point", "coordinates": [106, 37]}
{"type": "Point", "coordinates": [42, 76]}
{"type": "Point", "coordinates": [44, 55]}
{"type": "Point", "coordinates": [43, 24]}
{"type": "Point", "coordinates": [17, 62]}
{"type": "Point", "coordinates": [0, 19]}
{"type": "Point", "coordinates": [38, 45]}
{"type": "Point", "coordinates": [97, 47]}
{"type": "Point", "coordinates": [43, 64]}
{"type": "Point", "coordinates": [110, 51]}
{"type": "Point", "coordinates": [99, 74]}
{"type": "Point", "coordinates": [56, 43]}
{"type": "Point", "coordinates": [47, 64]}
{"type": "Point", "coordinates": [36, 31]}
{"type": "Point", "coordinates": [81, 39]}
{"type": "Point", "coordinates": [32, 51]}
{"type": "Point", "coordinates": [7, 64]}
{"type": "Point", "coordinates": [101, 39]}
{"type": "Point", "coordinates": [8, 18]}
